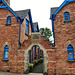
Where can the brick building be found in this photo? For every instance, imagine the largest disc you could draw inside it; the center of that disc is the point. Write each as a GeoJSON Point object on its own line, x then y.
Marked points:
{"type": "Point", "coordinates": [18, 37]}
{"type": "Point", "coordinates": [20, 40]}
{"type": "Point", "coordinates": [63, 21]}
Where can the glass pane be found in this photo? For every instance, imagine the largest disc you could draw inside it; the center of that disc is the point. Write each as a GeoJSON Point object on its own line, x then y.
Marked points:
{"type": "Point", "coordinates": [9, 21]}
{"type": "Point", "coordinates": [27, 30]}
{"type": "Point", "coordinates": [6, 55]}
{"type": "Point", "coordinates": [70, 56]}
{"type": "Point", "coordinates": [66, 17]}
{"type": "Point", "coordinates": [70, 52]}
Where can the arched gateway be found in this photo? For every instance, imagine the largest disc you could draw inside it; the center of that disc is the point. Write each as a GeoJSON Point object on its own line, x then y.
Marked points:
{"type": "Point", "coordinates": [26, 61]}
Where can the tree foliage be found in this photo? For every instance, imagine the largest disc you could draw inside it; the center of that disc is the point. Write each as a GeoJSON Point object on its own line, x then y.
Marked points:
{"type": "Point", "coordinates": [47, 32]}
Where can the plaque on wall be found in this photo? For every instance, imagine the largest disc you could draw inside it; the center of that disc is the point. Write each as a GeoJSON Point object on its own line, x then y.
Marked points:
{"type": "Point", "coordinates": [35, 36]}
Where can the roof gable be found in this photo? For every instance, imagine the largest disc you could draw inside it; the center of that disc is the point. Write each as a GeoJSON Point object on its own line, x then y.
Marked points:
{"type": "Point", "coordinates": [22, 13]}
{"type": "Point", "coordinates": [63, 4]}
{"type": "Point", "coordinates": [5, 6]}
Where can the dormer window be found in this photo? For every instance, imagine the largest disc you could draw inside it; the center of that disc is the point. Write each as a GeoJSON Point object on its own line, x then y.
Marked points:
{"type": "Point", "coordinates": [66, 16]}
{"type": "Point", "coordinates": [9, 20]}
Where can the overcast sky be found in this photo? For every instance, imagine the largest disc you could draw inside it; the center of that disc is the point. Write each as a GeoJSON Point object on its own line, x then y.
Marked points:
{"type": "Point", "coordinates": [40, 9]}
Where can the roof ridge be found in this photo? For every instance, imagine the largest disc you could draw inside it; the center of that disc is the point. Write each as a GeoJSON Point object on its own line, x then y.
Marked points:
{"type": "Point", "coordinates": [55, 7]}
{"type": "Point", "coordinates": [35, 22]}
{"type": "Point", "coordinates": [22, 10]}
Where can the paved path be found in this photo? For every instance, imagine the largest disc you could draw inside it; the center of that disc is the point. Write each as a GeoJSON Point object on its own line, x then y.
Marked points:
{"type": "Point", "coordinates": [6, 73]}
{"type": "Point", "coordinates": [38, 68]}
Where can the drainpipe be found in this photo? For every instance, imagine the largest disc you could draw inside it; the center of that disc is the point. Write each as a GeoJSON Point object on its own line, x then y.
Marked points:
{"type": "Point", "coordinates": [20, 32]}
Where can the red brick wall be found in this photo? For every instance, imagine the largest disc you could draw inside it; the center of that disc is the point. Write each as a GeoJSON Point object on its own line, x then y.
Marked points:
{"type": "Point", "coordinates": [23, 35]}
{"type": "Point", "coordinates": [64, 35]}
{"type": "Point", "coordinates": [9, 35]}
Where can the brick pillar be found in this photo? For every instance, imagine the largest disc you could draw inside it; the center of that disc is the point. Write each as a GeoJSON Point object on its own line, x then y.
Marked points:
{"type": "Point", "coordinates": [32, 55]}
{"type": "Point", "coordinates": [40, 53]}
{"type": "Point", "coordinates": [37, 52]}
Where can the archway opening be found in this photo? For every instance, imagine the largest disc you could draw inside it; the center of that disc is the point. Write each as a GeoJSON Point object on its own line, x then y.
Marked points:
{"type": "Point", "coordinates": [36, 57]}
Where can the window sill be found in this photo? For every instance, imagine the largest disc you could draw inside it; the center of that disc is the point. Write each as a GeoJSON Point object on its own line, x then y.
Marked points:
{"type": "Point", "coordinates": [67, 21]}
{"type": "Point", "coordinates": [7, 24]}
{"type": "Point", "coordinates": [71, 61]}
{"type": "Point", "coordinates": [5, 59]}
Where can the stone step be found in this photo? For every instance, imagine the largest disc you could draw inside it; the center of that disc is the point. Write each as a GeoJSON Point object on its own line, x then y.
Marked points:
{"type": "Point", "coordinates": [35, 73]}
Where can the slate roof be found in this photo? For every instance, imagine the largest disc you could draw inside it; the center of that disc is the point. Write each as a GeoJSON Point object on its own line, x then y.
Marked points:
{"type": "Point", "coordinates": [54, 9]}
{"type": "Point", "coordinates": [35, 25]}
{"type": "Point", "coordinates": [22, 13]}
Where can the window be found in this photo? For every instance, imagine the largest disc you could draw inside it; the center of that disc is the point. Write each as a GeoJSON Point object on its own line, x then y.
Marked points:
{"type": "Point", "coordinates": [9, 20]}
{"type": "Point", "coordinates": [27, 27]}
{"type": "Point", "coordinates": [66, 16]}
{"type": "Point", "coordinates": [6, 52]}
{"type": "Point", "coordinates": [70, 52]}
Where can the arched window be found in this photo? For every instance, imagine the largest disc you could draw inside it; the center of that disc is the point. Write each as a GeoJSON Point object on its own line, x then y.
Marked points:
{"type": "Point", "coordinates": [6, 52]}
{"type": "Point", "coordinates": [70, 52]}
{"type": "Point", "coordinates": [9, 20]}
{"type": "Point", "coordinates": [66, 16]}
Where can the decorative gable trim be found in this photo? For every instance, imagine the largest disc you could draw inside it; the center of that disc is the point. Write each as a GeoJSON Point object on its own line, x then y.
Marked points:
{"type": "Point", "coordinates": [31, 21]}
{"type": "Point", "coordinates": [7, 7]}
{"type": "Point", "coordinates": [53, 15]}
{"type": "Point", "coordinates": [63, 4]}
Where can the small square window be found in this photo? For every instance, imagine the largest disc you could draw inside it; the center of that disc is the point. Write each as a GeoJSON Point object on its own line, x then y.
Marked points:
{"type": "Point", "coordinates": [66, 16]}
{"type": "Point", "coordinates": [9, 20]}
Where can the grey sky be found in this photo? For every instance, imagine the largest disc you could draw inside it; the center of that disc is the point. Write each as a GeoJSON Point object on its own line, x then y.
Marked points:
{"type": "Point", "coordinates": [40, 9]}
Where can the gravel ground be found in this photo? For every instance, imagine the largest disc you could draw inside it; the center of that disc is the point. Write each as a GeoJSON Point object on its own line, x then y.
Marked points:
{"type": "Point", "coordinates": [6, 73]}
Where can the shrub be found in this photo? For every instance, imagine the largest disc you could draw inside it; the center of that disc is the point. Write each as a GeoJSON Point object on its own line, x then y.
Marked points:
{"type": "Point", "coordinates": [31, 65]}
